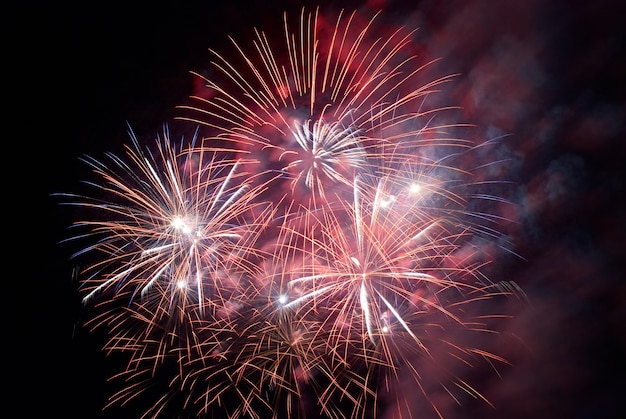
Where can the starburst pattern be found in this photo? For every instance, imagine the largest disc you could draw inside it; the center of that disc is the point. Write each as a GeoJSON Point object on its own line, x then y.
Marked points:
{"type": "Point", "coordinates": [329, 231]}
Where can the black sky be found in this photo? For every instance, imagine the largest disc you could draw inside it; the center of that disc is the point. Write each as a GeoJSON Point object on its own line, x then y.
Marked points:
{"type": "Point", "coordinates": [550, 75]}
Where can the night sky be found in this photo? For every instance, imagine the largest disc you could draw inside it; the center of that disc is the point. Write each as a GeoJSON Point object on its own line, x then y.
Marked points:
{"type": "Point", "coordinates": [548, 74]}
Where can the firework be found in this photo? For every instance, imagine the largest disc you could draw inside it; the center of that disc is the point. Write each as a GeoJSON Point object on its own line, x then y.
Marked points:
{"type": "Point", "coordinates": [174, 231]}
{"type": "Point", "coordinates": [327, 233]}
{"type": "Point", "coordinates": [322, 108]}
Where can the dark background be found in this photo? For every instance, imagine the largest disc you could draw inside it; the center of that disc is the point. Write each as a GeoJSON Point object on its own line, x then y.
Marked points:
{"type": "Point", "coordinates": [551, 74]}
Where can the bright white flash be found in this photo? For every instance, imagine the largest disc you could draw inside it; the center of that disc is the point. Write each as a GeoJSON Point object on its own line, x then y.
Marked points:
{"type": "Point", "coordinates": [415, 188]}
{"type": "Point", "coordinates": [386, 203]}
{"type": "Point", "coordinates": [179, 224]}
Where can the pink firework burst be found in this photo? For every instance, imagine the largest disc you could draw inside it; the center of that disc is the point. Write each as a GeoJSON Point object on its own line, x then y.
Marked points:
{"type": "Point", "coordinates": [322, 105]}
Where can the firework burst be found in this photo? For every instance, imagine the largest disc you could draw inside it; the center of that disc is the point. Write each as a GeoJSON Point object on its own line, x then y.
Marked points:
{"type": "Point", "coordinates": [330, 231]}
{"type": "Point", "coordinates": [174, 230]}
{"type": "Point", "coordinates": [325, 106]}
